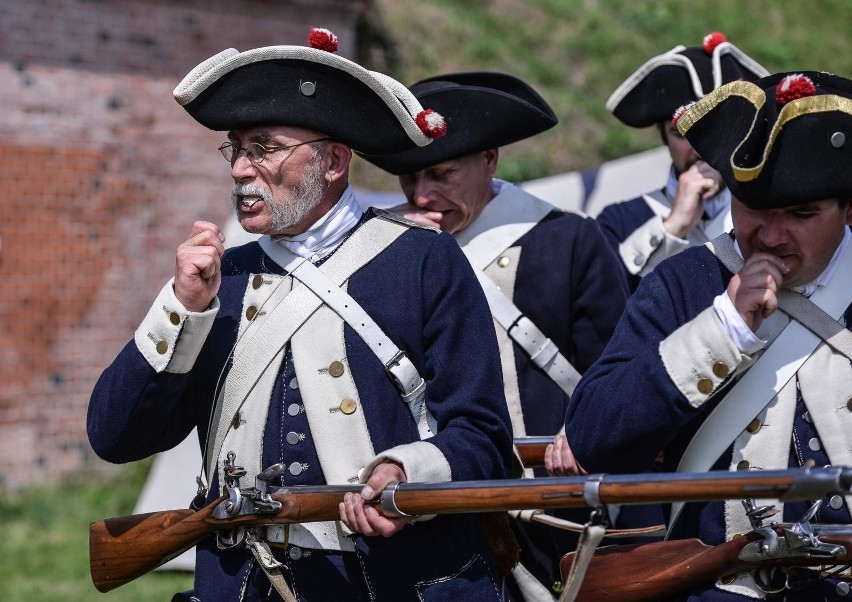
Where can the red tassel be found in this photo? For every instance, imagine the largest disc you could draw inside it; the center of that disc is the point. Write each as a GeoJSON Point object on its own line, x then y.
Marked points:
{"type": "Point", "coordinates": [322, 39]}
{"type": "Point", "coordinates": [711, 40]}
{"type": "Point", "coordinates": [431, 123]}
{"type": "Point", "coordinates": [793, 87]}
{"type": "Point", "coordinates": [680, 111]}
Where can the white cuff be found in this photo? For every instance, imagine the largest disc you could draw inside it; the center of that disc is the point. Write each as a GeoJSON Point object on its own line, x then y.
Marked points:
{"type": "Point", "coordinates": [745, 340]}
{"type": "Point", "coordinates": [700, 356]}
{"type": "Point", "coordinates": [648, 245]}
{"type": "Point", "coordinates": [422, 462]}
{"type": "Point", "coordinates": [170, 337]}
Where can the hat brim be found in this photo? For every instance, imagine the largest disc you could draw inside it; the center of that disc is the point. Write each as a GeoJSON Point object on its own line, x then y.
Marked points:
{"type": "Point", "coordinates": [482, 111]}
{"type": "Point", "coordinates": [773, 157]}
{"type": "Point", "coordinates": [301, 87]}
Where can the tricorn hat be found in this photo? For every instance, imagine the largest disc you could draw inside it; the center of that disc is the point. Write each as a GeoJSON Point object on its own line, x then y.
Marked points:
{"type": "Point", "coordinates": [681, 75]}
{"type": "Point", "coordinates": [308, 87]}
{"type": "Point", "coordinates": [482, 111]}
{"type": "Point", "coordinates": [781, 141]}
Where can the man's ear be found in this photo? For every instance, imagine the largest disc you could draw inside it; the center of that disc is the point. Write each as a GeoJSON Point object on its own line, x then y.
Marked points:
{"type": "Point", "coordinates": [339, 157]}
{"type": "Point", "coordinates": [492, 157]}
{"type": "Point", "coordinates": [848, 211]}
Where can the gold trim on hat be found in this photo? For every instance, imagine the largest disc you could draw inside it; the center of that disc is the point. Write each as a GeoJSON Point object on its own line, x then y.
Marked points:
{"type": "Point", "coordinates": [800, 107]}
{"type": "Point", "coordinates": [742, 88]}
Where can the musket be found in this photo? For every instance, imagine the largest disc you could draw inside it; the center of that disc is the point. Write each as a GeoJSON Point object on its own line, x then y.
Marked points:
{"type": "Point", "coordinates": [122, 549]}
{"type": "Point", "coordinates": [531, 450]}
{"type": "Point", "coordinates": [661, 569]}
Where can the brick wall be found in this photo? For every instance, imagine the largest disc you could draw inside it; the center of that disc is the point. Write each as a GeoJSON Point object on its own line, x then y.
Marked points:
{"type": "Point", "coordinates": [102, 175]}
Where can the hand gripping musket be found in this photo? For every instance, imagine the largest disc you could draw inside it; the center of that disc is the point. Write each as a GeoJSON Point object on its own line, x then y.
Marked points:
{"type": "Point", "coordinates": [531, 449]}
{"type": "Point", "coordinates": [122, 549]}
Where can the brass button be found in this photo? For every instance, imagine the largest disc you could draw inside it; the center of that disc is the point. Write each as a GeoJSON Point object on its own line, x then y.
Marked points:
{"type": "Point", "coordinates": [335, 368]}
{"type": "Point", "coordinates": [809, 463]}
{"type": "Point", "coordinates": [743, 465]}
{"type": "Point", "coordinates": [162, 347]}
{"type": "Point", "coordinates": [174, 318]}
{"type": "Point", "coordinates": [257, 281]}
{"type": "Point", "coordinates": [705, 386]}
{"type": "Point", "coordinates": [503, 261]}
{"type": "Point", "coordinates": [348, 405]}
{"type": "Point", "coordinates": [754, 426]}
{"type": "Point", "coordinates": [720, 369]}
{"type": "Point", "coordinates": [251, 312]}
{"type": "Point", "coordinates": [237, 421]}
{"type": "Point", "coordinates": [557, 587]}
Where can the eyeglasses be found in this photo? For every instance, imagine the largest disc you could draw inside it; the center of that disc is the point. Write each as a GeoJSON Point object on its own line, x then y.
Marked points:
{"type": "Point", "coordinates": [256, 152]}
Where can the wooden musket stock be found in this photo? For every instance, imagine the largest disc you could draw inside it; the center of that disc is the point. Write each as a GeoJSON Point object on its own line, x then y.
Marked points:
{"type": "Point", "coordinates": [122, 549]}
{"type": "Point", "coordinates": [657, 570]}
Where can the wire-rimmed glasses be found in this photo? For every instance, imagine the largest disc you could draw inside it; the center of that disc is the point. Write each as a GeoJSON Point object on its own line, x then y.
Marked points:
{"type": "Point", "coordinates": [255, 151]}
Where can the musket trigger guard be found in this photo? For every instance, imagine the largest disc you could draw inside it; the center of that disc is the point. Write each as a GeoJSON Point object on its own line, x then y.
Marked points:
{"type": "Point", "coordinates": [387, 503]}
{"type": "Point", "coordinates": [591, 491]}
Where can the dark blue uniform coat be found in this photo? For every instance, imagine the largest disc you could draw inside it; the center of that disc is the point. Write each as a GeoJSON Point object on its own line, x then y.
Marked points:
{"type": "Point", "coordinates": [423, 294]}
{"type": "Point", "coordinates": [626, 408]}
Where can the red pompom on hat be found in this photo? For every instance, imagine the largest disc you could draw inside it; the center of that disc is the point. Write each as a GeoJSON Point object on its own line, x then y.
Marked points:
{"type": "Point", "coordinates": [322, 39]}
{"type": "Point", "coordinates": [793, 87]}
{"type": "Point", "coordinates": [711, 40]}
{"type": "Point", "coordinates": [680, 111]}
{"type": "Point", "coordinates": [432, 124]}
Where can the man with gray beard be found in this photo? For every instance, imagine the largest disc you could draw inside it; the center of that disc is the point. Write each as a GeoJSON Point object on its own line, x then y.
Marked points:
{"type": "Point", "coordinates": [341, 347]}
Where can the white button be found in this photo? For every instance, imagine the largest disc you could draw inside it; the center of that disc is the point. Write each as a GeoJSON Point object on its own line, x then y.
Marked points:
{"type": "Point", "coordinates": [295, 469]}
{"type": "Point", "coordinates": [814, 444]}
{"type": "Point", "coordinates": [836, 502]}
{"type": "Point", "coordinates": [293, 409]}
{"type": "Point", "coordinates": [294, 384]}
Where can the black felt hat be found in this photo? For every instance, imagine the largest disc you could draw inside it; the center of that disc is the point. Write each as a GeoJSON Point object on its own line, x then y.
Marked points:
{"type": "Point", "coordinates": [781, 141]}
{"type": "Point", "coordinates": [682, 75]}
{"type": "Point", "coordinates": [482, 111]}
{"type": "Point", "coordinates": [308, 87]}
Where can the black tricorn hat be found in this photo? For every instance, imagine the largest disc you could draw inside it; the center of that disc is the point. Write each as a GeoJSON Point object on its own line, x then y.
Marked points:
{"type": "Point", "coordinates": [682, 75]}
{"type": "Point", "coordinates": [482, 111]}
{"type": "Point", "coordinates": [308, 87]}
{"type": "Point", "coordinates": [781, 141]}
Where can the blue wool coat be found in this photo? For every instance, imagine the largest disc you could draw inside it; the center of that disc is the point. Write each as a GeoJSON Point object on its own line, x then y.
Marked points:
{"type": "Point", "coordinates": [568, 283]}
{"type": "Point", "coordinates": [627, 409]}
{"type": "Point", "coordinates": [421, 291]}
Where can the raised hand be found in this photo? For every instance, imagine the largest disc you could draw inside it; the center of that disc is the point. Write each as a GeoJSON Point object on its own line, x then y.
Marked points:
{"type": "Point", "coordinates": [198, 270]}
{"type": "Point", "coordinates": [697, 184]}
{"type": "Point", "coordinates": [754, 290]}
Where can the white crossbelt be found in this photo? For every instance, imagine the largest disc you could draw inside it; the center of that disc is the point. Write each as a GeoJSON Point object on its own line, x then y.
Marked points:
{"type": "Point", "coordinates": [509, 216]}
{"type": "Point", "coordinates": [772, 370]}
{"type": "Point", "coordinates": [540, 349]}
{"type": "Point", "coordinates": [408, 381]}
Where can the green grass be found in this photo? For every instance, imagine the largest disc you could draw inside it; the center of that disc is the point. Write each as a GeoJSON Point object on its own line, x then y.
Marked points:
{"type": "Point", "coordinates": [45, 542]}
{"type": "Point", "coordinates": [577, 52]}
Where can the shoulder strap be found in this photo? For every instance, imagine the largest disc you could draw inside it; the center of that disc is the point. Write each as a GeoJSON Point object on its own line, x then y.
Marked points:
{"type": "Point", "coordinates": [505, 219]}
{"type": "Point", "coordinates": [540, 349]}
